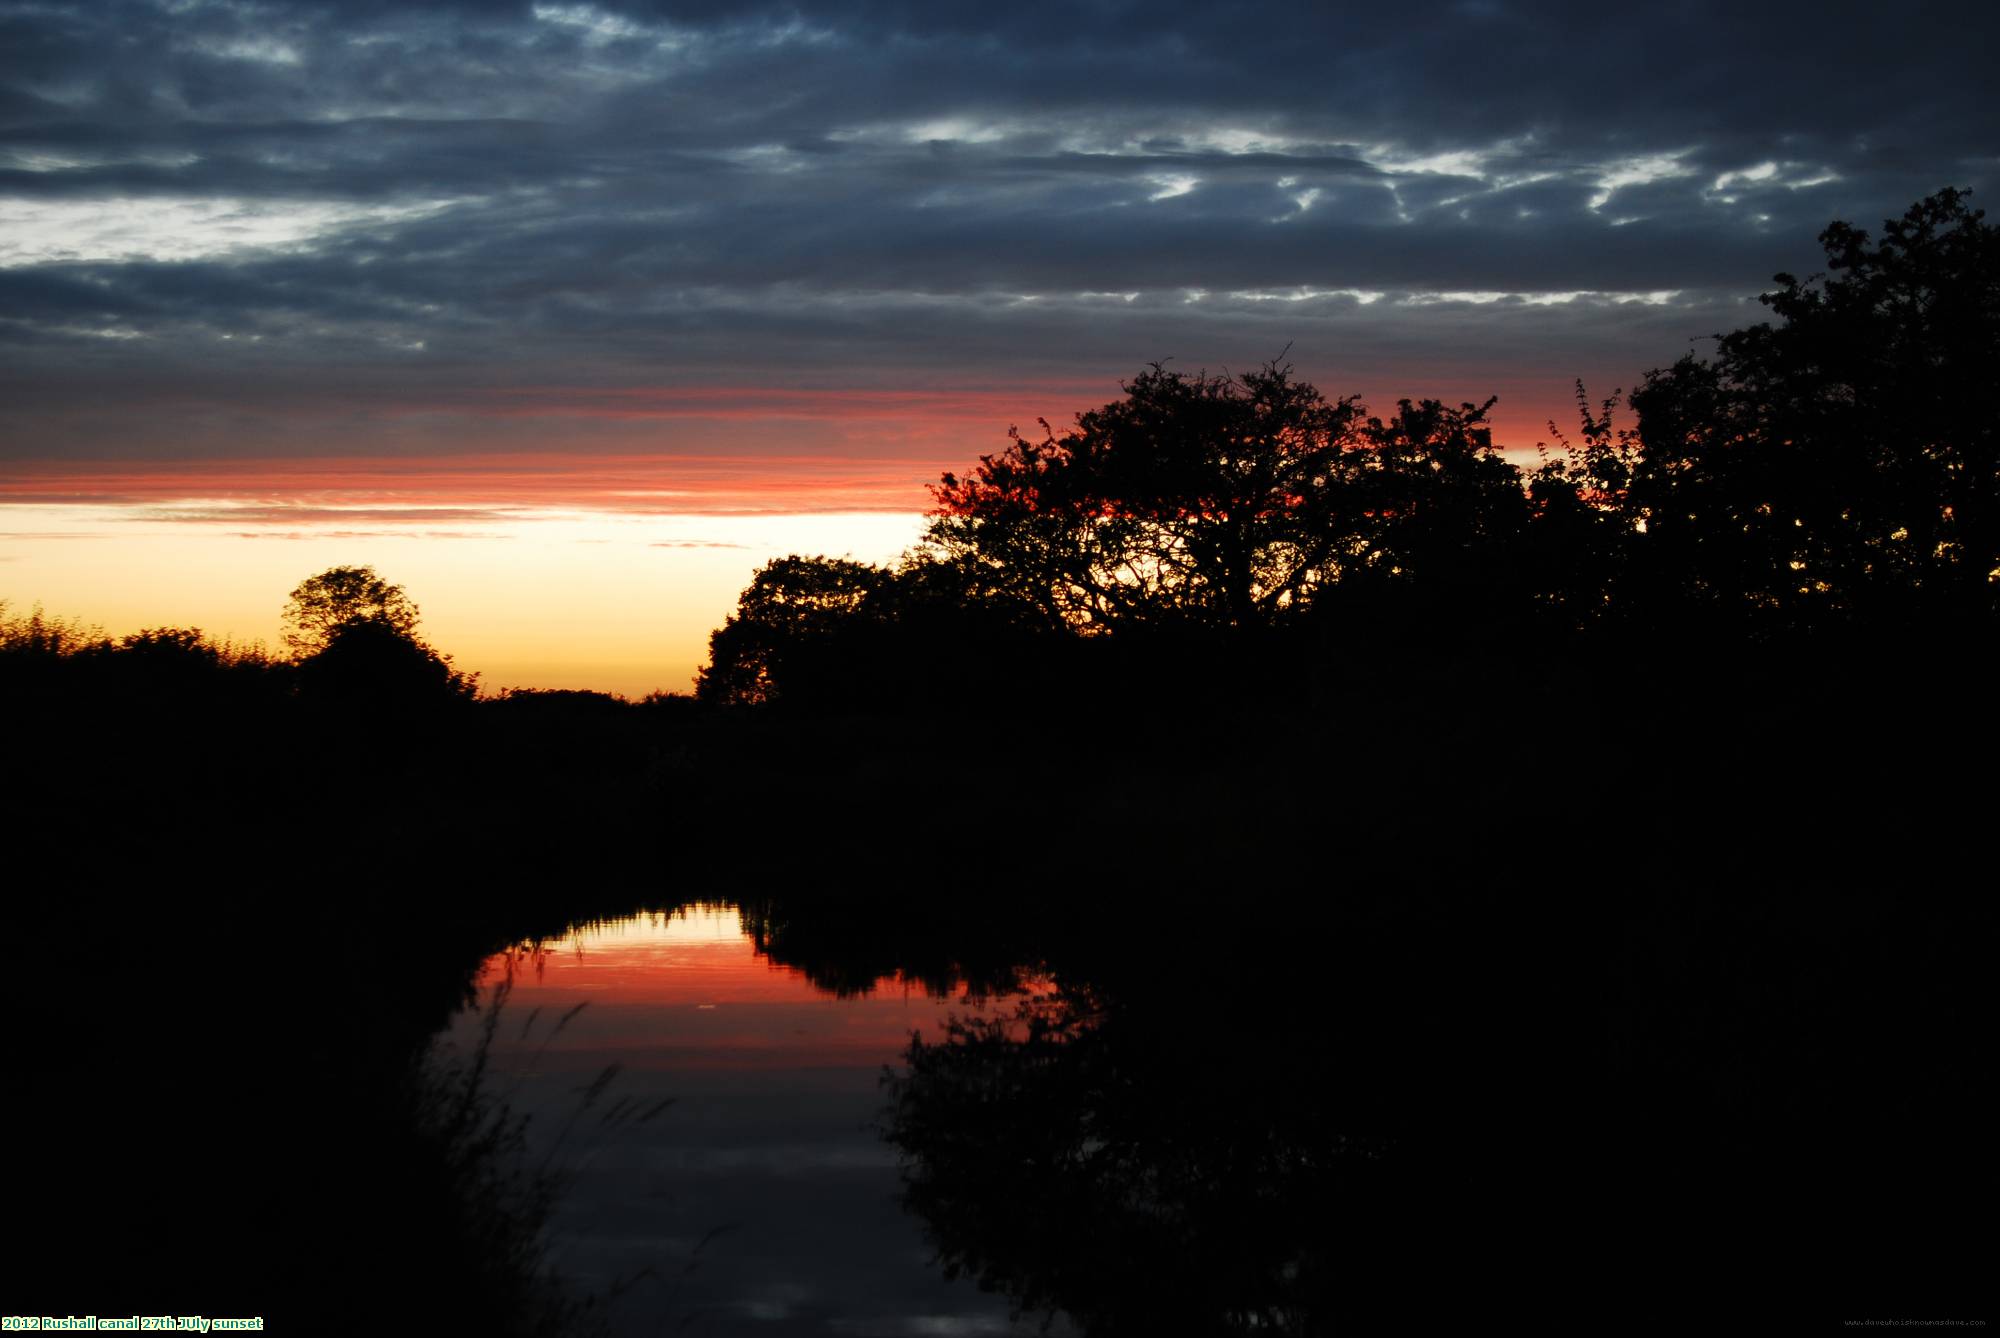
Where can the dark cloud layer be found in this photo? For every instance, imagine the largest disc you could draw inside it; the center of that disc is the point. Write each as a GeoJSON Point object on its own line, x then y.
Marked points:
{"type": "Point", "coordinates": [246, 228]}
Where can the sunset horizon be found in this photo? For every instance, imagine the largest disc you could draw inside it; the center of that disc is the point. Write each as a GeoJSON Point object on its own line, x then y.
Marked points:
{"type": "Point", "coordinates": [363, 286]}
{"type": "Point", "coordinates": [858, 668]}
{"type": "Point", "coordinates": [534, 570]}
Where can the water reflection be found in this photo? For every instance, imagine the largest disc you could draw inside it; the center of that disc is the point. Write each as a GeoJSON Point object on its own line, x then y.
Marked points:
{"type": "Point", "coordinates": [763, 1198]}
{"type": "Point", "coordinates": [1387, 1109]}
{"type": "Point", "coordinates": [886, 1123]}
{"type": "Point", "coordinates": [1086, 1163]}
{"type": "Point", "coordinates": [1172, 1123]}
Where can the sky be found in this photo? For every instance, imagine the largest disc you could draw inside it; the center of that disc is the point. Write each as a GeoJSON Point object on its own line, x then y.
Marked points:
{"type": "Point", "coordinates": [566, 317]}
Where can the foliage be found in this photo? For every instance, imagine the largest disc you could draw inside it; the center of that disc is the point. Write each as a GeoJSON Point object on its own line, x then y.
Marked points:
{"type": "Point", "coordinates": [1840, 467]}
{"type": "Point", "coordinates": [1580, 544]}
{"type": "Point", "coordinates": [815, 631]}
{"type": "Point", "coordinates": [337, 598]}
{"type": "Point", "coordinates": [1435, 521]}
{"type": "Point", "coordinates": [1234, 504]}
{"type": "Point", "coordinates": [1215, 500]}
{"type": "Point", "coordinates": [43, 634]}
{"type": "Point", "coordinates": [369, 665]}
{"type": "Point", "coordinates": [791, 608]}
{"type": "Point", "coordinates": [495, 1198]}
{"type": "Point", "coordinates": [354, 637]}
{"type": "Point", "coordinates": [64, 666]}
{"type": "Point", "coordinates": [170, 645]}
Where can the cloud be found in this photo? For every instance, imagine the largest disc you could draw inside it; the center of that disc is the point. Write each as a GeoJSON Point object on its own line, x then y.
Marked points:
{"type": "Point", "coordinates": [164, 228]}
{"type": "Point", "coordinates": [362, 534]}
{"type": "Point", "coordinates": [288, 514]}
{"type": "Point", "coordinates": [233, 229]}
{"type": "Point", "coordinates": [486, 491]}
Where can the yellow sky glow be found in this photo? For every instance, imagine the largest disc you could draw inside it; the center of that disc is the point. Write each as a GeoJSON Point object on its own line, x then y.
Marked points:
{"type": "Point", "coordinates": [541, 598]}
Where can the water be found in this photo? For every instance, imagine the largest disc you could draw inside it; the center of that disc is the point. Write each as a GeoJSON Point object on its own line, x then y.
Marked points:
{"type": "Point", "coordinates": [1239, 1114]}
{"type": "Point", "coordinates": [763, 1198]}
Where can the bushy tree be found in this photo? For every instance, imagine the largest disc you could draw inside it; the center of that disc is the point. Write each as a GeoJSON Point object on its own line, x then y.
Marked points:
{"type": "Point", "coordinates": [339, 597]}
{"type": "Point", "coordinates": [36, 634]}
{"type": "Point", "coordinates": [1579, 546]}
{"type": "Point", "coordinates": [1233, 504]}
{"type": "Point", "coordinates": [1210, 500]}
{"type": "Point", "coordinates": [1438, 506]}
{"type": "Point", "coordinates": [818, 632]}
{"type": "Point", "coordinates": [1836, 469]}
{"type": "Point", "coordinates": [354, 637]}
{"type": "Point", "coordinates": [1841, 465]}
{"type": "Point", "coordinates": [370, 666]}
{"type": "Point", "coordinates": [792, 609]}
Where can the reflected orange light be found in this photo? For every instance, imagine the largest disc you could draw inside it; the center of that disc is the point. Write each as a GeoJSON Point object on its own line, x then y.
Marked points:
{"type": "Point", "coordinates": [690, 990]}
{"type": "Point", "coordinates": [699, 956]}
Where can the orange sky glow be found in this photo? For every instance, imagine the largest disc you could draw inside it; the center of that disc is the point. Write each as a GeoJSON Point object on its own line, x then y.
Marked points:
{"type": "Point", "coordinates": [566, 566]}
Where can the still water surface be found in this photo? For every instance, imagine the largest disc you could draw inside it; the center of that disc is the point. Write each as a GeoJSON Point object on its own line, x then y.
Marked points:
{"type": "Point", "coordinates": [763, 1199]}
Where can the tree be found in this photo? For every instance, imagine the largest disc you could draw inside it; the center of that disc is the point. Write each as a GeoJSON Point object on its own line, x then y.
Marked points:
{"type": "Point", "coordinates": [1235, 503]}
{"type": "Point", "coordinates": [815, 632]}
{"type": "Point", "coordinates": [1207, 500]}
{"type": "Point", "coordinates": [1840, 467]}
{"type": "Point", "coordinates": [791, 611]}
{"type": "Point", "coordinates": [341, 597]}
{"type": "Point", "coordinates": [371, 667]}
{"type": "Point", "coordinates": [1579, 544]}
{"type": "Point", "coordinates": [354, 637]}
{"type": "Point", "coordinates": [1434, 510]}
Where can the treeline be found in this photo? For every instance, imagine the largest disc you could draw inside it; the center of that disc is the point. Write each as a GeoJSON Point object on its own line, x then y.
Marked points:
{"type": "Point", "coordinates": [1786, 558]}
{"type": "Point", "coordinates": [1682, 728]}
{"type": "Point", "coordinates": [1829, 479]}
{"type": "Point", "coordinates": [286, 869]}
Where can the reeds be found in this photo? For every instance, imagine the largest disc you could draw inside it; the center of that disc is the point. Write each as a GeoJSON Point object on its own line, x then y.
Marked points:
{"type": "Point", "coordinates": [501, 1197]}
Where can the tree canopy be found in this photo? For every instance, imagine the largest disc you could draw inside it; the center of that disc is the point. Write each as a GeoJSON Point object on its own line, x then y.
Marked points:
{"type": "Point", "coordinates": [820, 631]}
{"type": "Point", "coordinates": [1833, 471]}
{"type": "Point", "coordinates": [370, 665]}
{"type": "Point", "coordinates": [1232, 504]}
{"type": "Point", "coordinates": [1840, 466]}
{"type": "Point", "coordinates": [1197, 498]}
{"type": "Point", "coordinates": [791, 608]}
{"type": "Point", "coordinates": [339, 597]}
{"type": "Point", "coordinates": [353, 636]}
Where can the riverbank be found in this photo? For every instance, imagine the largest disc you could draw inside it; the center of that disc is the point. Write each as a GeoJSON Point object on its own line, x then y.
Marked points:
{"type": "Point", "coordinates": [1725, 909]}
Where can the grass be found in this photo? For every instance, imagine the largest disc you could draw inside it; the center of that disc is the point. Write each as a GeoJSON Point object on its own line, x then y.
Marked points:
{"type": "Point", "coordinates": [502, 1196]}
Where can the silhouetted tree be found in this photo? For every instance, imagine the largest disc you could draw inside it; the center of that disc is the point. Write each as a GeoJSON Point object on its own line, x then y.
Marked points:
{"type": "Point", "coordinates": [1842, 465]}
{"type": "Point", "coordinates": [1210, 500]}
{"type": "Point", "coordinates": [41, 635]}
{"type": "Point", "coordinates": [354, 636]}
{"type": "Point", "coordinates": [171, 646]}
{"type": "Point", "coordinates": [1235, 503]}
{"type": "Point", "coordinates": [370, 666]}
{"type": "Point", "coordinates": [1838, 469]}
{"type": "Point", "coordinates": [338, 597]}
{"type": "Point", "coordinates": [182, 665]}
{"type": "Point", "coordinates": [817, 632]}
{"type": "Point", "coordinates": [1430, 538]}
{"type": "Point", "coordinates": [1579, 544]}
{"type": "Point", "coordinates": [787, 614]}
